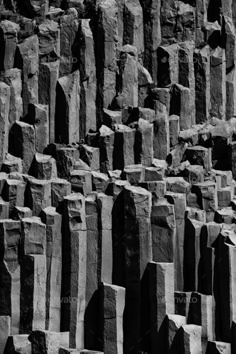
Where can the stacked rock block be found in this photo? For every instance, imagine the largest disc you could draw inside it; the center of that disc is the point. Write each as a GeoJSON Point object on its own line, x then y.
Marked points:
{"type": "Point", "coordinates": [117, 181]}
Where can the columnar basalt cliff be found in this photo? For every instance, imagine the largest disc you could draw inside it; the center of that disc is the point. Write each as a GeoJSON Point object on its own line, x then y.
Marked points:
{"type": "Point", "coordinates": [117, 182]}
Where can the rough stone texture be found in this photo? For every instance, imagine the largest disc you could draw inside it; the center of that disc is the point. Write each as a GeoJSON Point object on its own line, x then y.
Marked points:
{"type": "Point", "coordinates": [131, 103]}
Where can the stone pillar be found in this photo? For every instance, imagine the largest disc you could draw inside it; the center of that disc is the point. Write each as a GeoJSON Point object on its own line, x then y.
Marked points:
{"type": "Point", "coordinates": [10, 234]}
{"type": "Point", "coordinates": [163, 232]}
{"type": "Point", "coordinates": [218, 83]}
{"type": "Point", "coordinates": [106, 143]}
{"type": "Point", "coordinates": [186, 73]}
{"type": "Point", "coordinates": [54, 266]}
{"type": "Point", "coordinates": [69, 25]}
{"type": "Point", "coordinates": [201, 312]}
{"type": "Point", "coordinates": [29, 63]}
{"type": "Point", "coordinates": [161, 298]}
{"type": "Point", "coordinates": [12, 77]}
{"type": "Point", "coordinates": [129, 75]}
{"type": "Point", "coordinates": [143, 146]}
{"type": "Point", "coordinates": [22, 143]}
{"type": "Point", "coordinates": [168, 68]}
{"type": "Point", "coordinates": [39, 118]}
{"type": "Point", "coordinates": [191, 253]}
{"type": "Point", "coordinates": [113, 300]}
{"type": "Point", "coordinates": [179, 202]}
{"type": "Point", "coordinates": [8, 43]}
{"type": "Point", "coordinates": [48, 76]}
{"type": "Point", "coordinates": [105, 205]}
{"type": "Point", "coordinates": [106, 40]}
{"type": "Point", "coordinates": [74, 269]}
{"type": "Point", "coordinates": [33, 293]}
{"type": "Point", "coordinates": [123, 147]}
{"type": "Point", "coordinates": [4, 119]}
{"type": "Point", "coordinates": [67, 127]}
{"type": "Point", "coordinates": [133, 24]}
{"type": "Point", "coordinates": [224, 286]}
{"type": "Point", "coordinates": [152, 34]}
{"type": "Point", "coordinates": [161, 139]}
{"type": "Point", "coordinates": [88, 79]}
{"type": "Point", "coordinates": [137, 253]}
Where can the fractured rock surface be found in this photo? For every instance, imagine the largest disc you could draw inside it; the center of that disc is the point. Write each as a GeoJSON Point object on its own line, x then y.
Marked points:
{"type": "Point", "coordinates": [117, 176]}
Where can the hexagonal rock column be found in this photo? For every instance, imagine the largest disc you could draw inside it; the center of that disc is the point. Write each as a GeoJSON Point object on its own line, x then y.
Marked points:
{"type": "Point", "coordinates": [88, 79]}
{"type": "Point", "coordinates": [152, 34]}
{"type": "Point", "coordinates": [74, 268]}
{"type": "Point", "coordinates": [67, 126]}
{"type": "Point", "coordinates": [218, 83]}
{"type": "Point", "coordinates": [161, 298]}
{"type": "Point", "coordinates": [8, 42]}
{"type": "Point", "coordinates": [4, 119]}
{"type": "Point", "coordinates": [113, 300]}
{"type": "Point", "coordinates": [163, 232]}
{"type": "Point", "coordinates": [28, 62]}
{"type": "Point", "coordinates": [106, 42]}
{"type": "Point", "coordinates": [12, 77]}
{"type": "Point", "coordinates": [22, 143]}
{"type": "Point", "coordinates": [202, 83]}
{"type": "Point", "coordinates": [137, 253]}
{"type": "Point", "coordinates": [133, 24]}
{"type": "Point", "coordinates": [33, 293]}
{"type": "Point", "coordinates": [48, 76]}
{"type": "Point", "coordinates": [54, 265]}
{"type": "Point", "coordinates": [10, 234]}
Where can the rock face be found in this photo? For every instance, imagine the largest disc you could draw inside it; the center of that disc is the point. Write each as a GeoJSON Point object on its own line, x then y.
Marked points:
{"type": "Point", "coordinates": [117, 176]}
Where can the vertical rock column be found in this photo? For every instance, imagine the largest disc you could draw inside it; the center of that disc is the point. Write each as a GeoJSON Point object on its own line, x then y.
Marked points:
{"type": "Point", "coordinates": [87, 79]}
{"type": "Point", "coordinates": [133, 24]}
{"type": "Point", "coordinates": [91, 326]}
{"type": "Point", "coordinates": [8, 43]}
{"type": "Point", "coordinates": [48, 76]}
{"type": "Point", "coordinates": [186, 74]}
{"type": "Point", "coordinates": [161, 300]}
{"type": "Point", "coordinates": [28, 61]}
{"type": "Point", "coordinates": [33, 293]}
{"type": "Point", "coordinates": [12, 77]}
{"type": "Point", "coordinates": [224, 286]}
{"type": "Point", "coordinates": [113, 307]}
{"type": "Point", "coordinates": [106, 44]}
{"type": "Point", "coordinates": [163, 232]}
{"type": "Point", "coordinates": [22, 143]}
{"type": "Point", "coordinates": [202, 83]}
{"type": "Point", "coordinates": [10, 234]}
{"type": "Point", "coordinates": [179, 202]}
{"type": "Point", "coordinates": [54, 264]}
{"type": "Point", "coordinates": [129, 75]}
{"type": "Point", "coordinates": [218, 83]}
{"type": "Point", "coordinates": [191, 253]}
{"type": "Point", "coordinates": [67, 126]}
{"type": "Point", "coordinates": [152, 34]}
{"type": "Point", "coordinates": [74, 267]}
{"type": "Point", "coordinates": [4, 119]}
{"type": "Point", "coordinates": [105, 205]}
{"type": "Point", "coordinates": [39, 118]}
{"type": "Point", "coordinates": [137, 253]}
